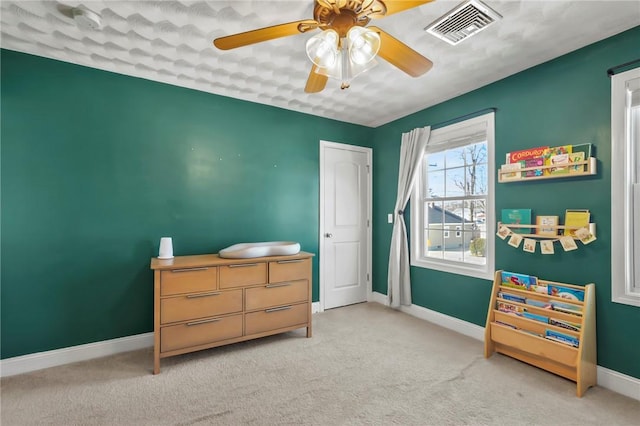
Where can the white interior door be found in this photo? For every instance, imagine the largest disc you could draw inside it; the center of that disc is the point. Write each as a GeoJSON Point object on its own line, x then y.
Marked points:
{"type": "Point", "coordinates": [345, 232]}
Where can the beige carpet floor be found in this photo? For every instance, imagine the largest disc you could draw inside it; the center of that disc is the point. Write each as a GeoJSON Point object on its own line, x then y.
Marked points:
{"type": "Point", "coordinates": [365, 365]}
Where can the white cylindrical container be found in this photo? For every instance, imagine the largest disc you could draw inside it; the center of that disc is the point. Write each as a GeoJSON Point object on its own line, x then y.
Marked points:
{"type": "Point", "coordinates": [166, 248]}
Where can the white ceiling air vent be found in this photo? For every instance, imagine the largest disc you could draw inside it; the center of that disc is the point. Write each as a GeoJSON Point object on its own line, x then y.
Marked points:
{"type": "Point", "coordinates": [465, 20]}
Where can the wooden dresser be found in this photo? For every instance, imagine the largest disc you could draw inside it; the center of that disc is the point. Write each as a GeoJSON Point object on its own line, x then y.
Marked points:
{"type": "Point", "coordinates": [205, 301]}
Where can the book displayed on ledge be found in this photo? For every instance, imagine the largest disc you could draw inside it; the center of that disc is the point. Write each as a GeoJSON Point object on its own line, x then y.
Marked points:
{"type": "Point", "coordinates": [519, 281]}
{"type": "Point", "coordinates": [517, 217]}
{"type": "Point", "coordinates": [547, 226]}
{"type": "Point", "coordinates": [562, 338]}
{"type": "Point", "coordinates": [526, 154]}
{"type": "Point", "coordinates": [511, 171]}
{"type": "Point", "coordinates": [555, 156]}
{"type": "Point", "coordinates": [576, 219]}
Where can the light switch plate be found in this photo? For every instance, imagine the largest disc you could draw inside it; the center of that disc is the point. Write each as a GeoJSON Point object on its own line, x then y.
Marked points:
{"type": "Point", "coordinates": [390, 218]}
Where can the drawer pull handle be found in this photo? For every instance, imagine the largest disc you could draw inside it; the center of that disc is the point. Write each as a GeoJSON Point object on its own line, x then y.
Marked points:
{"type": "Point", "coordinates": [193, 296]}
{"type": "Point", "coordinates": [189, 269]}
{"type": "Point", "coordinates": [277, 285]}
{"type": "Point", "coordinates": [291, 261]}
{"type": "Point", "coordinates": [243, 265]}
{"type": "Point", "coordinates": [281, 308]}
{"type": "Point", "coordinates": [203, 321]}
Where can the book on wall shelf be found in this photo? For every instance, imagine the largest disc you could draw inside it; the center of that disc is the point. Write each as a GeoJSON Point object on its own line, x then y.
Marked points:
{"type": "Point", "coordinates": [547, 225]}
{"type": "Point", "coordinates": [556, 156]}
{"type": "Point", "coordinates": [517, 217]}
{"type": "Point", "coordinates": [575, 219]}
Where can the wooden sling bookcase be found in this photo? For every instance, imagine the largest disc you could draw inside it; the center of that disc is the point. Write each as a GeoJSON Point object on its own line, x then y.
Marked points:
{"type": "Point", "coordinates": [522, 338]}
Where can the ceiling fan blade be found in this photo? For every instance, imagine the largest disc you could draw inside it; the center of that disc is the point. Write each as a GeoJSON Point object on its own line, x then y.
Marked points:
{"type": "Point", "coordinates": [402, 56]}
{"type": "Point", "coordinates": [316, 82]}
{"type": "Point", "coordinates": [264, 34]}
{"type": "Point", "coordinates": [395, 6]}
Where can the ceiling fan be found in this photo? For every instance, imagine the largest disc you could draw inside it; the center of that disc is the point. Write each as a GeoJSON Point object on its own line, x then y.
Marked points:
{"type": "Point", "coordinates": [346, 47]}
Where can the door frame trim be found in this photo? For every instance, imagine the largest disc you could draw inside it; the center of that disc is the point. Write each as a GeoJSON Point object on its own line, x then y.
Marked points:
{"type": "Point", "coordinates": [369, 151]}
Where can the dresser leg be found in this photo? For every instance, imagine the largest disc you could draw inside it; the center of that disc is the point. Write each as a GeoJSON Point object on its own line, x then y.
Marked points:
{"type": "Point", "coordinates": [156, 363]}
{"type": "Point", "coordinates": [309, 331]}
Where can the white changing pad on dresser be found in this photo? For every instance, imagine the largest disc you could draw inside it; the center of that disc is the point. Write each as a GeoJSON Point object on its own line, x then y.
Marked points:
{"type": "Point", "coordinates": [270, 248]}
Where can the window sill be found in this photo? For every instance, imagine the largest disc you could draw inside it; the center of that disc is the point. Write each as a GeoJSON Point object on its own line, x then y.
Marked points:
{"type": "Point", "coordinates": [482, 271]}
{"type": "Point", "coordinates": [632, 299]}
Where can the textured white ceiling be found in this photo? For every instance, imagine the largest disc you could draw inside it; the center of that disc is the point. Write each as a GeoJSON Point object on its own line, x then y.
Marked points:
{"type": "Point", "coordinates": [171, 42]}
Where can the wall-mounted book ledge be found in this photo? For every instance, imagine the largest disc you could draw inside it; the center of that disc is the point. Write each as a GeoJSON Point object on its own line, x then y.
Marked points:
{"type": "Point", "coordinates": [549, 233]}
{"type": "Point", "coordinates": [514, 172]}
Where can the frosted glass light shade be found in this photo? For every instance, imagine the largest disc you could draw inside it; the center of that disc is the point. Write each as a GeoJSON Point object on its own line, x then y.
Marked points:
{"type": "Point", "coordinates": [322, 49]}
{"type": "Point", "coordinates": [363, 44]}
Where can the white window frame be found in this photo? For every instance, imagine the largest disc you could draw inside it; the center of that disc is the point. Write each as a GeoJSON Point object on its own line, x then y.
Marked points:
{"type": "Point", "coordinates": [625, 187]}
{"type": "Point", "coordinates": [439, 141]}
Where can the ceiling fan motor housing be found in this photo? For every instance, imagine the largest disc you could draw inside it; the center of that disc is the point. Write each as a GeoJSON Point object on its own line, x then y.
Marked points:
{"type": "Point", "coordinates": [341, 15]}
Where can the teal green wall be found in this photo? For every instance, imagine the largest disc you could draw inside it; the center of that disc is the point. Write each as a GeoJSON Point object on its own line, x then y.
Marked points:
{"type": "Point", "coordinates": [97, 166]}
{"type": "Point", "coordinates": [564, 101]}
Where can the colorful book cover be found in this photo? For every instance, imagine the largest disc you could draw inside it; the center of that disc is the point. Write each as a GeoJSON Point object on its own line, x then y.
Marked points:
{"type": "Point", "coordinates": [555, 155]}
{"type": "Point", "coordinates": [508, 308]}
{"type": "Point", "coordinates": [511, 297]}
{"type": "Point", "coordinates": [558, 160]}
{"type": "Point", "coordinates": [583, 147]}
{"type": "Point", "coordinates": [539, 304]}
{"type": "Point", "coordinates": [565, 292]}
{"type": "Point", "coordinates": [525, 154]}
{"type": "Point", "coordinates": [517, 217]}
{"type": "Point", "coordinates": [562, 338]}
{"type": "Point", "coordinates": [511, 171]}
{"type": "Point", "coordinates": [574, 220]}
{"type": "Point", "coordinates": [566, 308]}
{"type": "Point", "coordinates": [547, 225]}
{"type": "Point", "coordinates": [533, 162]}
{"type": "Point", "coordinates": [519, 281]}
{"type": "Point", "coordinates": [535, 317]}
{"type": "Point", "coordinates": [573, 326]}
{"type": "Point", "coordinates": [577, 157]}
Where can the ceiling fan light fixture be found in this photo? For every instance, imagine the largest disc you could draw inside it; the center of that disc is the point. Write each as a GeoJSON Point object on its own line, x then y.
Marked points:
{"type": "Point", "coordinates": [322, 49]}
{"type": "Point", "coordinates": [363, 44]}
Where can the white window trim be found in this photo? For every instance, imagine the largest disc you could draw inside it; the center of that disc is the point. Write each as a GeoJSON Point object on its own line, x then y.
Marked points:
{"type": "Point", "coordinates": [438, 137]}
{"type": "Point", "coordinates": [623, 251]}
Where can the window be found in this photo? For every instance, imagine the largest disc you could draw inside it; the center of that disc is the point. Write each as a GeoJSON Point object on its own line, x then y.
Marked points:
{"type": "Point", "coordinates": [454, 190]}
{"type": "Point", "coordinates": [625, 187]}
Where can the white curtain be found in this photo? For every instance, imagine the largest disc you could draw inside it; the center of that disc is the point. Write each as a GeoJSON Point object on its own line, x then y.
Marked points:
{"type": "Point", "coordinates": [412, 150]}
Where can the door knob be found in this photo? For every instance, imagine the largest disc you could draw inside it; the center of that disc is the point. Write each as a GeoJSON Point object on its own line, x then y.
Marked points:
{"type": "Point", "coordinates": [328, 235]}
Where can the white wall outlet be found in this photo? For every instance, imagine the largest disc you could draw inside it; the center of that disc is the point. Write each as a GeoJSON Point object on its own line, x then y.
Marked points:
{"type": "Point", "coordinates": [390, 218]}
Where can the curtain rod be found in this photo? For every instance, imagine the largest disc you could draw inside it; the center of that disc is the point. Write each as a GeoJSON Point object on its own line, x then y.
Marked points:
{"type": "Point", "coordinates": [463, 117]}
{"type": "Point", "coordinates": [614, 70]}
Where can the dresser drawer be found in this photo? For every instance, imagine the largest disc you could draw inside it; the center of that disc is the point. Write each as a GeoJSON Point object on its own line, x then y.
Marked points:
{"type": "Point", "coordinates": [275, 318]}
{"type": "Point", "coordinates": [277, 294]}
{"type": "Point", "coordinates": [200, 305]}
{"type": "Point", "coordinates": [200, 332]}
{"type": "Point", "coordinates": [242, 274]}
{"type": "Point", "coordinates": [188, 280]}
{"type": "Point", "coordinates": [289, 270]}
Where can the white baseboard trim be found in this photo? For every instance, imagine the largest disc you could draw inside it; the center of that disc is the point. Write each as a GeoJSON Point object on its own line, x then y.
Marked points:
{"type": "Point", "coordinates": [380, 298]}
{"type": "Point", "coordinates": [315, 307]}
{"type": "Point", "coordinates": [618, 382]}
{"type": "Point", "coordinates": [40, 360]}
{"type": "Point", "coordinates": [446, 321]}
{"type": "Point", "coordinates": [606, 378]}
